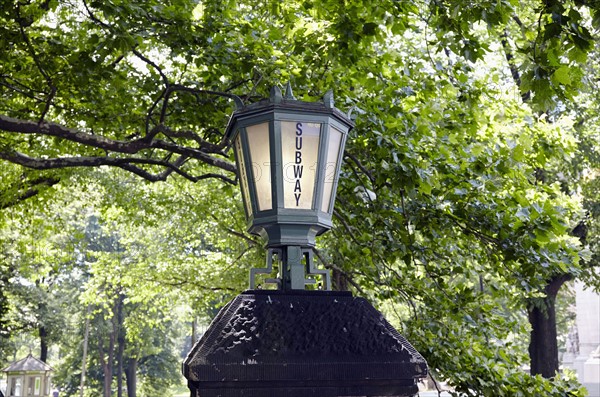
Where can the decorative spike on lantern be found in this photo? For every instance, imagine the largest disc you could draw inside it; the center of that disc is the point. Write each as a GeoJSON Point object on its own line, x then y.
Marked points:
{"type": "Point", "coordinates": [276, 96]}
{"type": "Point", "coordinates": [328, 99]}
{"type": "Point", "coordinates": [289, 95]}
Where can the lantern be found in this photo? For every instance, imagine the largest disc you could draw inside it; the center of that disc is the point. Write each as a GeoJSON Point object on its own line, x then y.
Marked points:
{"type": "Point", "coordinates": [289, 154]}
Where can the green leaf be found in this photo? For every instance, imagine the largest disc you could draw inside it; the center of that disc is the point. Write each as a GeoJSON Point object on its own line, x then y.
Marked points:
{"type": "Point", "coordinates": [370, 28]}
{"type": "Point", "coordinates": [562, 76]}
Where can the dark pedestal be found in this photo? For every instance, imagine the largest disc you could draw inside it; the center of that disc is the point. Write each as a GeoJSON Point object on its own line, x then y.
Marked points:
{"type": "Point", "coordinates": [302, 344]}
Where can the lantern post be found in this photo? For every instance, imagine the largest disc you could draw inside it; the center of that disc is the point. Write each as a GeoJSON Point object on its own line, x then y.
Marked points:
{"type": "Point", "coordinates": [291, 341]}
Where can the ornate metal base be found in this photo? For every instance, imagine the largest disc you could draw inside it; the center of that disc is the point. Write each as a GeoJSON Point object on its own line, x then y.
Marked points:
{"type": "Point", "coordinates": [302, 344]}
{"type": "Point", "coordinates": [295, 264]}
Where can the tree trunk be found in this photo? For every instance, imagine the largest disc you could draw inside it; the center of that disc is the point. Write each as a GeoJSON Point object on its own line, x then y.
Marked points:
{"type": "Point", "coordinates": [131, 373]}
{"type": "Point", "coordinates": [106, 361]}
{"type": "Point", "coordinates": [43, 343]}
{"type": "Point", "coordinates": [86, 335]}
{"type": "Point", "coordinates": [43, 332]}
{"type": "Point", "coordinates": [543, 346]}
{"type": "Point", "coordinates": [120, 331]}
{"type": "Point", "coordinates": [340, 282]}
{"type": "Point", "coordinates": [194, 331]}
{"type": "Point", "coordinates": [107, 357]}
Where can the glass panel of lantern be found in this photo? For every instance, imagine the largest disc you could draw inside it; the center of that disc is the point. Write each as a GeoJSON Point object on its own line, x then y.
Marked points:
{"type": "Point", "coordinates": [243, 175]}
{"type": "Point", "coordinates": [260, 158]}
{"type": "Point", "coordinates": [331, 168]}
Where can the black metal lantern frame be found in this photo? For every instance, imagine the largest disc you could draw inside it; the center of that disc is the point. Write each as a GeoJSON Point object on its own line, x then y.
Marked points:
{"type": "Point", "coordinates": [289, 154]}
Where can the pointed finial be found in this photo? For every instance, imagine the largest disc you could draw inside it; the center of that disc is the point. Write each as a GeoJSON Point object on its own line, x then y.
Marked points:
{"type": "Point", "coordinates": [328, 99]}
{"type": "Point", "coordinates": [276, 96]}
{"type": "Point", "coordinates": [289, 95]}
{"type": "Point", "coordinates": [351, 114]}
{"type": "Point", "coordinates": [239, 104]}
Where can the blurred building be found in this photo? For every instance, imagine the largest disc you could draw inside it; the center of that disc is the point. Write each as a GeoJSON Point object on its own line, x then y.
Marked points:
{"type": "Point", "coordinates": [583, 342]}
{"type": "Point", "coordinates": [28, 377]}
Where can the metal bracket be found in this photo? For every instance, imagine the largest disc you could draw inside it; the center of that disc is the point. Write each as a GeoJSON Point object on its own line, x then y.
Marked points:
{"type": "Point", "coordinates": [266, 270]}
{"type": "Point", "coordinates": [311, 269]}
{"type": "Point", "coordinates": [291, 275]}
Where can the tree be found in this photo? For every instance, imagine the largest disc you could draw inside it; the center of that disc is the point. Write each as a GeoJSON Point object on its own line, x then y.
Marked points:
{"type": "Point", "coordinates": [36, 258]}
{"type": "Point", "coordinates": [99, 269]}
{"type": "Point", "coordinates": [543, 348]}
{"type": "Point", "coordinates": [464, 116]}
{"type": "Point", "coordinates": [135, 283]}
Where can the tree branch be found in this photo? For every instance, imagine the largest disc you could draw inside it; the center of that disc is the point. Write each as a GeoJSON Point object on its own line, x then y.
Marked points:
{"type": "Point", "coordinates": [329, 265]}
{"type": "Point", "coordinates": [151, 111]}
{"type": "Point", "coordinates": [204, 145]}
{"type": "Point", "coordinates": [346, 226]}
{"type": "Point", "coordinates": [124, 163]}
{"type": "Point", "coordinates": [510, 59]}
{"type": "Point", "coordinates": [154, 65]}
{"type": "Point", "coordinates": [27, 189]}
{"type": "Point", "coordinates": [235, 233]}
{"type": "Point", "coordinates": [165, 96]}
{"type": "Point", "coordinates": [556, 282]}
{"type": "Point", "coordinates": [10, 124]}
{"type": "Point", "coordinates": [356, 161]}
{"type": "Point", "coordinates": [239, 104]}
{"type": "Point", "coordinates": [466, 228]}
{"type": "Point", "coordinates": [20, 90]}
{"type": "Point", "coordinates": [38, 64]}
{"type": "Point", "coordinates": [94, 18]}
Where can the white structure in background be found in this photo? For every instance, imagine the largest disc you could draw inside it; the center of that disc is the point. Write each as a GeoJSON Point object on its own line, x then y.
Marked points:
{"type": "Point", "coordinates": [28, 377]}
{"type": "Point", "coordinates": [583, 343]}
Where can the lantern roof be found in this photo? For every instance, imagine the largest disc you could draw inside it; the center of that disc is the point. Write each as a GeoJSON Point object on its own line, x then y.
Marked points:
{"type": "Point", "coordinates": [28, 364]}
{"type": "Point", "coordinates": [277, 102]}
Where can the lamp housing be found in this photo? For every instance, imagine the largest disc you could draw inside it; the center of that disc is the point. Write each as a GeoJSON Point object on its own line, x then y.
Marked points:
{"type": "Point", "coordinates": [289, 154]}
